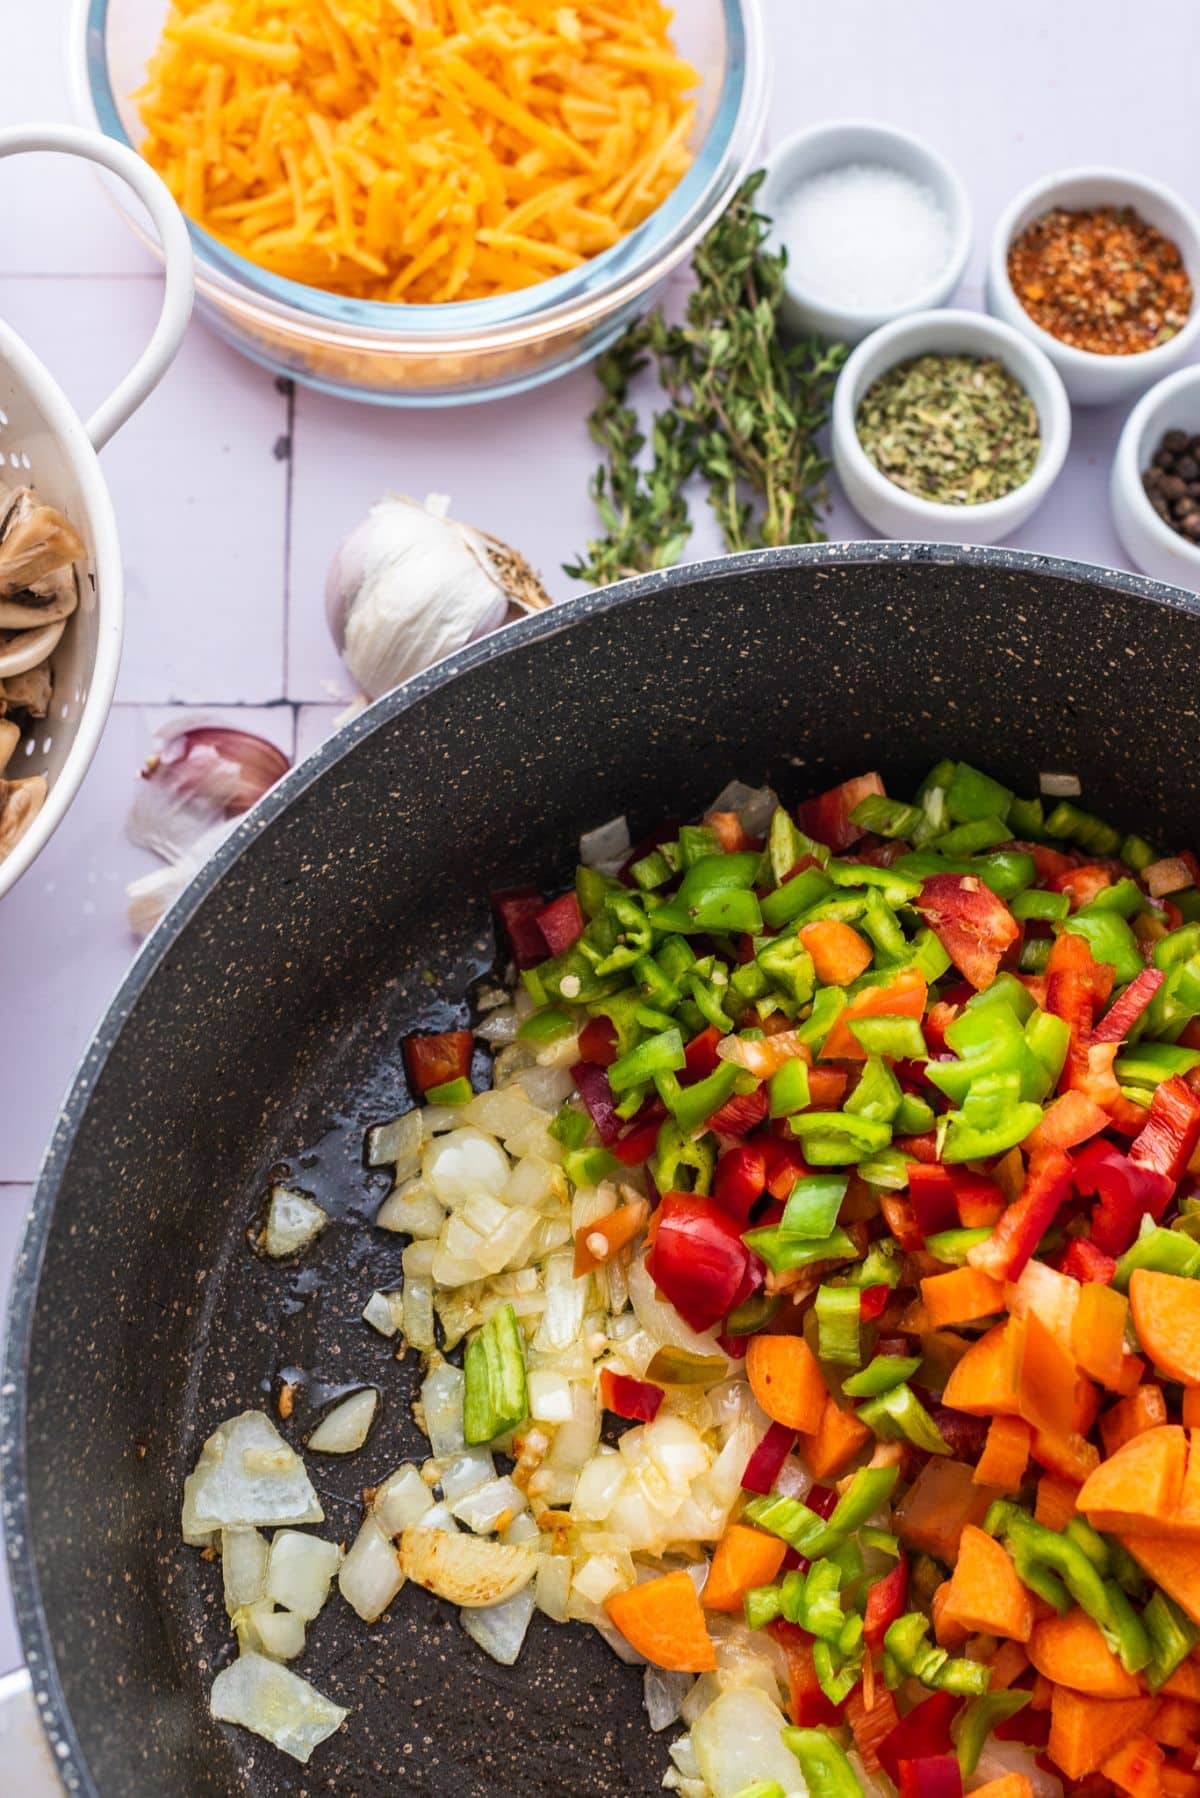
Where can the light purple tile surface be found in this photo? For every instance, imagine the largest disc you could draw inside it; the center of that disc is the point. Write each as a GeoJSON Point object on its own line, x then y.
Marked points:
{"type": "Point", "coordinates": [203, 501]}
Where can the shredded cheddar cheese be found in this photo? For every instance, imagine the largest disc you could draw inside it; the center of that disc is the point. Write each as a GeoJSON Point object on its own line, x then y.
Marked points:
{"type": "Point", "coordinates": [418, 150]}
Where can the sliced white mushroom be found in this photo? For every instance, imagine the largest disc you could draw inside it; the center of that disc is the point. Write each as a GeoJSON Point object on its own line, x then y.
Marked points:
{"type": "Point", "coordinates": [466, 1570]}
{"type": "Point", "coordinates": [344, 1429]}
{"type": "Point", "coordinates": [371, 1575]}
{"type": "Point", "coordinates": [31, 691]}
{"type": "Point", "coordinates": [10, 736]}
{"type": "Point", "coordinates": [247, 1476]}
{"type": "Point", "coordinates": [293, 1221]}
{"type": "Point", "coordinates": [276, 1704]}
{"type": "Point", "coordinates": [35, 541]}
{"type": "Point", "coordinates": [300, 1571]}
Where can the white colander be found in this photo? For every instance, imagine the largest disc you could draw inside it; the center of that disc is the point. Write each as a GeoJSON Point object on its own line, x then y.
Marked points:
{"type": "Point", "coordinates": [44, 444]}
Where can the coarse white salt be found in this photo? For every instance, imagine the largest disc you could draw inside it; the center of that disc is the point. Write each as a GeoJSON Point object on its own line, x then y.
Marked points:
{"type": "Point", "coordinates": [865, 237]}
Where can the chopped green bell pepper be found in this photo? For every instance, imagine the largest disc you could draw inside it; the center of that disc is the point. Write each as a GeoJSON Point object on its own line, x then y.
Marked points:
{"type": "Point", "coordinates": [1109, 938]}
{"type": "Point", "coordinates": [899, 1414]}
{"type": "Point", "coordinates": [787, 1088]}
{"type": "Point", "coordinates": [901, 1038]}
{"type": "Point", "coordinates": [656, 1055]}
{"type": "Point", "coordinates": [886, 817]}
{"type": "Point", "coordinates": [813, 1205]}
{"type": "Point", "coordinates": [1162, 1251]}
{"type": "Point", "coordinates": [789, 967]}
{"type": "Point", "coordinates": [1172, 1636]}
{"type": "Point", "coordinates": [953, 1246]}
{"type": "Point", "coordinates": [1070, 823]}
{"type": "Point", "coordinates": [681, 1164]}
{"type": "Point", "coordinates": [971, 795]}
{"type": "Point", "coordinates": [1035, 904]}
{"type": "Point", "coordinates": [794, 897]}
{"type": "Point", "coordinates": [877, 1095]}
{"type": "Point", "coordinates": [880, 1375]}
{"type": "Point", "coordinates": [971, 1728]}
{"type": "Point", "coordinates": [451, 1092]}
{"type": "Point", "coordinates": [827, 1007]}
{"type": "Point", "coordinates": [782, 1253]}
{"type": "Point", "coordinates": [838, 1311]}
{"type": "Point", "coordinates": [494, 1393]}
{"type": "Point", "coordinates": [970, 838]}
{"type": "Point", "coordinates": [838, 1138]}
{"type": "Point", "coordinates": [827, 1772]}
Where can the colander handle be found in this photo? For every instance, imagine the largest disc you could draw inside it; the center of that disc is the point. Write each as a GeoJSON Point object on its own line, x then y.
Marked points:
{"type": "Point", "coordinates": [179, 288]}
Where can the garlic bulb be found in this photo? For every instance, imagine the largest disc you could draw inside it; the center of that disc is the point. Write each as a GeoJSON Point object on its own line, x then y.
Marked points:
{"type": "Point", "coordinates": [410, 585]}
{"type": "Point", "coordinates": [198, 780]}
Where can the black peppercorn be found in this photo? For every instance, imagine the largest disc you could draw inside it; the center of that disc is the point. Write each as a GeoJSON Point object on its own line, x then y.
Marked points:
{"type": "Point", "coordinates": [1172, 482]}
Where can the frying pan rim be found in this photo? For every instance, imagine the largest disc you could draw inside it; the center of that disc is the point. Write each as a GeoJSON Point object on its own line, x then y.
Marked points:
{"type": "Point", "coordinates": [14, 1499]}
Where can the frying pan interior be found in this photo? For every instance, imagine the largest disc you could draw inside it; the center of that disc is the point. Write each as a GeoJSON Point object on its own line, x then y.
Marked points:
{"type": "Point", "coordinates": [262, 1029]}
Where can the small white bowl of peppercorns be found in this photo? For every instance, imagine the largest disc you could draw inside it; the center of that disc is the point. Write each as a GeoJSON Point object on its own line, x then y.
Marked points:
{"type": "Point", "coordinates": [1100, 269]}
{"type": "Point", "coordinates": [1155, 483]}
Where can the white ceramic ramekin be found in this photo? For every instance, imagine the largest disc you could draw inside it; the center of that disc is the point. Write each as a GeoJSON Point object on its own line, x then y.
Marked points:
{"type": "Point", "coordinates": [1173, 404]}
{"type": "Point", "coordinates": [1091, 379]}
{"type": "Point", "coordinates": [898, 513]}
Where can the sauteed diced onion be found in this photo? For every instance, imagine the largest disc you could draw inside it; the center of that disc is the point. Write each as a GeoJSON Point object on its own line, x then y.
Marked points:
{"type": "Point", "coordinates": [345, 1428]}
{"type": "Point", "coordinates": [246, 1476]}
{"type": "Point", "coordinates": [276, 1704]}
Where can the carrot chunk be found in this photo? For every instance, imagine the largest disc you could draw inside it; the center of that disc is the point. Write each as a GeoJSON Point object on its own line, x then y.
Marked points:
{"type": "Point", "coordinates": [839, 954]}
{"type": "Point", "coordinates": [1136, 1768]}
{"type": "Point", "coordinates": [985, 1594]}
{"type": "Point", "coordinates": [1085, 1731]}
{"type": "Point", "coordinates": [786, 1380]}
{"type": "Point", "coordinates": [1098, 1333]}
{"type": "Point", "coordinates": [939, 1503]}
{"type": "Point", "coordinates": [1166, 1316]}
{"type": "Point", "coordinates": [663, 1620]}
{"type": "Point", "coordinates": [1137, 1490]}
{"type": "Point", "coordinates": [1072, 1652]}
{"type": "Point", "coordinates": [744, 1558]}
{"type": "Point", "coordinates": [1173, 1565]}
{"type": "Point", "coordinates": [959, 1297]}
{"type": "Point", "coordinates": [984, 1382]}
{"type": "Point", "coordinates": [1057, 1501]}
{"type": "Point", "coordinates": [839, 1437]}
{"type": "Point", "coordinates": [1009, 1785]}
{"type": "Point", "coordinates": [1144, 1409]}
{"type": "Point", "coordinates": [1005, 1455]}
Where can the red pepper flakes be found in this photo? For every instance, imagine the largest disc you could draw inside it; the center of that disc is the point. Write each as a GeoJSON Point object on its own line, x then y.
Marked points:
{"type": "Point", "coordinates": [1101, 279]}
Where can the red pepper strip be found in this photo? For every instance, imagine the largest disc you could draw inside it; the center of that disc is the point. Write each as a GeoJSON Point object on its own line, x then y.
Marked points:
{"type": "Point", "coordinates": [886, 1600]}
{"type": "Point", "coordinates": [762, 1469]}
{"type": "Point", "coordinates": [933, 1776]}
{"type": "Point", "coordinates": [700, 1260]}
{"type": "Point", "coordinates": [1088, 1264]}
{"type": "Point", "coordinates": [899, 1218]}
{"type": "Point", "coordinates": [433, 1060]}
{"type": "Point", "coordinates": [1028, 1726]}
{"type": "Point", "coordinates": [1171, 1131]}
{"type": "Point", "coordinates": [598, 1042]}
{"type": "Point", "coordinates": [1120, 1017]}
{"type": "Point", "coordinates": [561, 923]}
{"type": "Point", "coordinates": [924, 1148]}
{"type": "Point", "coordinates": [740, 1180]}
{"type": "Point", "coordinates": [873, 1302]}
{"type": "Point", "coordinates": [1021, 1227]}
{"type": "Point", "coordinates": [1047, 862]}
{"type": "Point", "coordinates": [979, 1200]}
{"type": "Point", "coordinates": [1126, 1192]}
{"type": "Point", "coordinates": [939, 1018]}
{"type": "Point", "coordinates": [823, 1500]}
{"type": "Point", "coordinates": [624, 1396]}
{"type": "Point", "coordinates": [591, 1083]}
{"type": "Point", "coordinates": [739, 1115]}
{"type": "Point", "coordinates": [1081, 884]}
{"type": "Point", "coordinates": [924, 1732]}
{"type": "Point", "coordinates": [517, 909]}
{"type": "Point", "coordinates": [637, 1144]}
{"type": "Point", "coordinates": [973, 925]}
{"type": "Point", "coordinates": [808, 1705]}
{"type": "Point", "coordinates": [931, 1195]}
{"type": "Point", "coordinates": [785, 1165]}
{"type": "Point", "coordinates": [827, 817]}
{"type": "Point", "coordinates": [700, 1055]}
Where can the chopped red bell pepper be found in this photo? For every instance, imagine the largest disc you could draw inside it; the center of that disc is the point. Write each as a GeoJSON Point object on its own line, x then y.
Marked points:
{"type": "Point", "coordinates": [700, 1055]}
{"type": "Point", "coordinates": [808, 1706]}
{"type": "Point", "coordinates": [923, 1733]}
{"type": "Point", "coordinates": [1022, 1224]}
{"type": "Point", "coordinates": [624, 1396]}
{"type": "Point", "coordinates": [1028, 1726]}
{"type": "Point", "coordinates": [785, 1165]}
{"type": "Point", "coordinates": [762, 1469]}
{"type": "Point", "coordinates": [1171, 1132]}
{"type": "Point", "coordinates": [517, 909]}
{"type": "Point", "coordinates": [699, 1258]}
{"type": "Point", "coordinates": [873, 1302]}
{"type": "Point", "coordinates": [739, 1115]}
{"type": "Point", "coordinates": [740, 1179]}
{"type": "Point", "coordinates": [932, 1776]}
{"type": "Point", "coordinates": [1087, 1263]}
{"type": "Point", "coordinates": [562, 923]}
{"type": "Point", "coordinates": [1126, 1192]}
{"type": "Point", "coordinates": [598, 1042]}
{"type": "Point", "coordinates": [637, 1144]}
{"type": "Point", "coordinates": [1121, 1016]}
{"type": "Point", "coordinates": [591, 1083]}
{"type": "Point", "coordinates": [1076, 983]}
{"type": "Point", "coordinates": [973, 925]}
{"type": "Point", "coordinates": [886, 1600]}
{"type": "Point", "coordinates": [1081, 884]}
{"type": "Point", "coordinates": [922, 1148]}
{"type": "Point", "coordinates": [729, 831]}
{"type": "Point", "coordinates": [1047, 862]}
{"type": "Point", "coordinates": [822, 1499]}
{"type": "Point", "coordinates": [932, 1197]}
{"type": "Point", "coordinates": [979, 1200]}
{"type": "Point", "coordinates": [433, 1060]}
{"type": "Point", "coordinates": [937, 1021]}
{"type": "Point", "coordinates": [827, 817]}
{"type": "Point", "coordinates": [900, 1219]}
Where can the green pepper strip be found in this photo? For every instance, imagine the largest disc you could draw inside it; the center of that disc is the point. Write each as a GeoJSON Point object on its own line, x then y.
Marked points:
{"type": "Point", "coordinates": [834, 1138]}
{"type": "Point", "coordinates": [692, 1105]}
{"type": "Point", "coordinates": [1044, 907]}
{"type": "Point", "coordinates": [886, 817]}
{"type": "Point", "coordinates": [836, 1683]}
{"type": "Point", "coordinates": [902, 1038]}
{"type": "Point", "coordinates": [794, 897]}
{"type": "Point", "coordinates": [907, 1643]}
{"type": "Point", "coordinates": [899, 1413]}
{"type": "Point", "coordinates": [813, 1205]}
{"type": "Point", "coordinates": [494, 1393]}
{"type": "Point", "coordinates": [827, 1772]}
{"type": "Point", "coordinates": [838, 1310]}
{"type": "Point", "coordinates": [953, 1246]}
{"type": "Point", "coordinates": [1109, 938]}
{"type": "Point", "coordinates": [880, 1375]}
{"type": "Point", "coordinates": [973, 1725]}
{"type": "Point", "coordinates": [1172, 1635]}
{"type": "Point", "coordinates": [782, 1253]}
{"type": "Point", "coordinates": [676, 1155]}
{"type": "Point", "coordinates": [451, 1092]}
{"type": "Point", "coordinates": [787, 1089]}
{"type": "Point", "coordinates": [658, 1054]}
{"type": "Point", "coordinates": [1163, 1252]}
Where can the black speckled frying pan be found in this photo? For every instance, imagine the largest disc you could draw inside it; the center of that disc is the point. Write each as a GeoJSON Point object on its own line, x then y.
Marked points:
{"type": "Point", "coordinates": [262, 1026]}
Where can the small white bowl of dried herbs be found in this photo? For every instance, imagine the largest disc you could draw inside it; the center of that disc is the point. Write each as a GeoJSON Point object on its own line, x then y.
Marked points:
{"type": "Point", "coordinates": [949, 426]}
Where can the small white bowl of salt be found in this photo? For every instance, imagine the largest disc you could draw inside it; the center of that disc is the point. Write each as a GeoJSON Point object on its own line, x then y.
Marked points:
{"type": "Point", "coordinates": [875, 224]}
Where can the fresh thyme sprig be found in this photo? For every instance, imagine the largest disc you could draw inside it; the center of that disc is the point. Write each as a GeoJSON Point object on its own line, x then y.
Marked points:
{"type": "Point", "coordinates": [744, 412]}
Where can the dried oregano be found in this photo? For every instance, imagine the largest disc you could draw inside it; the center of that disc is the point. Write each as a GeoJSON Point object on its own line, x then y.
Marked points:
{"type": "Point", "coordinates": [957, 430]}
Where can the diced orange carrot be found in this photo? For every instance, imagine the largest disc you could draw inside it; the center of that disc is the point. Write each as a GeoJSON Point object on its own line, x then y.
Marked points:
{"type": "Point", "coordinates": [1137, 1490]}
{"type": "Point", "coordinates": [615, 1229]}
{"type": "Point", "coordinates": [1073, 1456]}
{"type": "Point", "coordinates": [1008, 1664]}
{"type": "Point", "coordinates": [743, 1558]}
{"type": "Point", "coordinates": [939, 1503]}
{"type": "Point", "coordinates": [1166, 1316]}
{"type": "Point", "coordinates": [959, 1297]}
{"type": "Point", "coordinates": [1098, 1333]}
{"type": "Point", "coordinates": [1086, 1405]}
{"type": "Point", "coordinates": [1084, 1731]}
{"type": "Point", "coordinates": [839, 954]}
{"type": "Point", "coordinates": [1176, 1722]}
{"type": "Point", "coordinates": [1046, 1388]}
{"type": "Point", "coordinates": [663, 1620]}
{"type": "Point", "coordinates": [947, 1630]}
{"type": "Point", "coordinates": [1051, 1296]}
{"type": "Point", "coordinates": [1176, 1782]}
{"type": "Point", "coordinates": [786, 1380]}
{"type": "Point", "coordinates": [1133, 1372]}
{"type": "Point", "coordinates": [1191, 1407]}
{"type": "Point", "coordinates": [1173, 1565]}
{"type": "Point", "coordinates": [1009, 1785]}
{"type": "Point", "coordinates": [1135, 1768]}
{"type": "Point", "coordinates": [1043, 1693]}
{"type": "Point", "coordinates": [1005, 1455]}
{"type": "Point", "coordinates": [1056, 1501]}
{"type": "Point", "coordinates": [839, 1437]}
{"type": "Point", "coordinates": [728, 827]}
{"type": "Point", "coordinates": [903, 997]}
{"type": "Point", "coordinates": [985, 1593]}
{"type": "Point", "coordinates": [1185, 1681]}
{"type": "Point", "coordinates": [1144, 1409]}
{"type": "Point", "coordinates": [985, 1381]}
{"type": "Point", "coordinates": [1072, 1652]}
{"type": "Point", "coordinates": [870, 1726]}
{"type": "Point", "coordinates": [1067, 1121]}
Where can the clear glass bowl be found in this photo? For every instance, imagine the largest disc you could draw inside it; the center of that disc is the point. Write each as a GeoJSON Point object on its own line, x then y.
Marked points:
{"type": "Point", "coordinates": [401, 355]}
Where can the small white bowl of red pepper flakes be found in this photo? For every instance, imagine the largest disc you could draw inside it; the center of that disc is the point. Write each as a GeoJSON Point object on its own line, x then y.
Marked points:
{"type": "Point", "coordinates": [1101, 269]}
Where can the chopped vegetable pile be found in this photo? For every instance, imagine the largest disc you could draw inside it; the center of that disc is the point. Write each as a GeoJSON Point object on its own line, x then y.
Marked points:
{"type": "Point", "coordinates": [851, 1158]}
